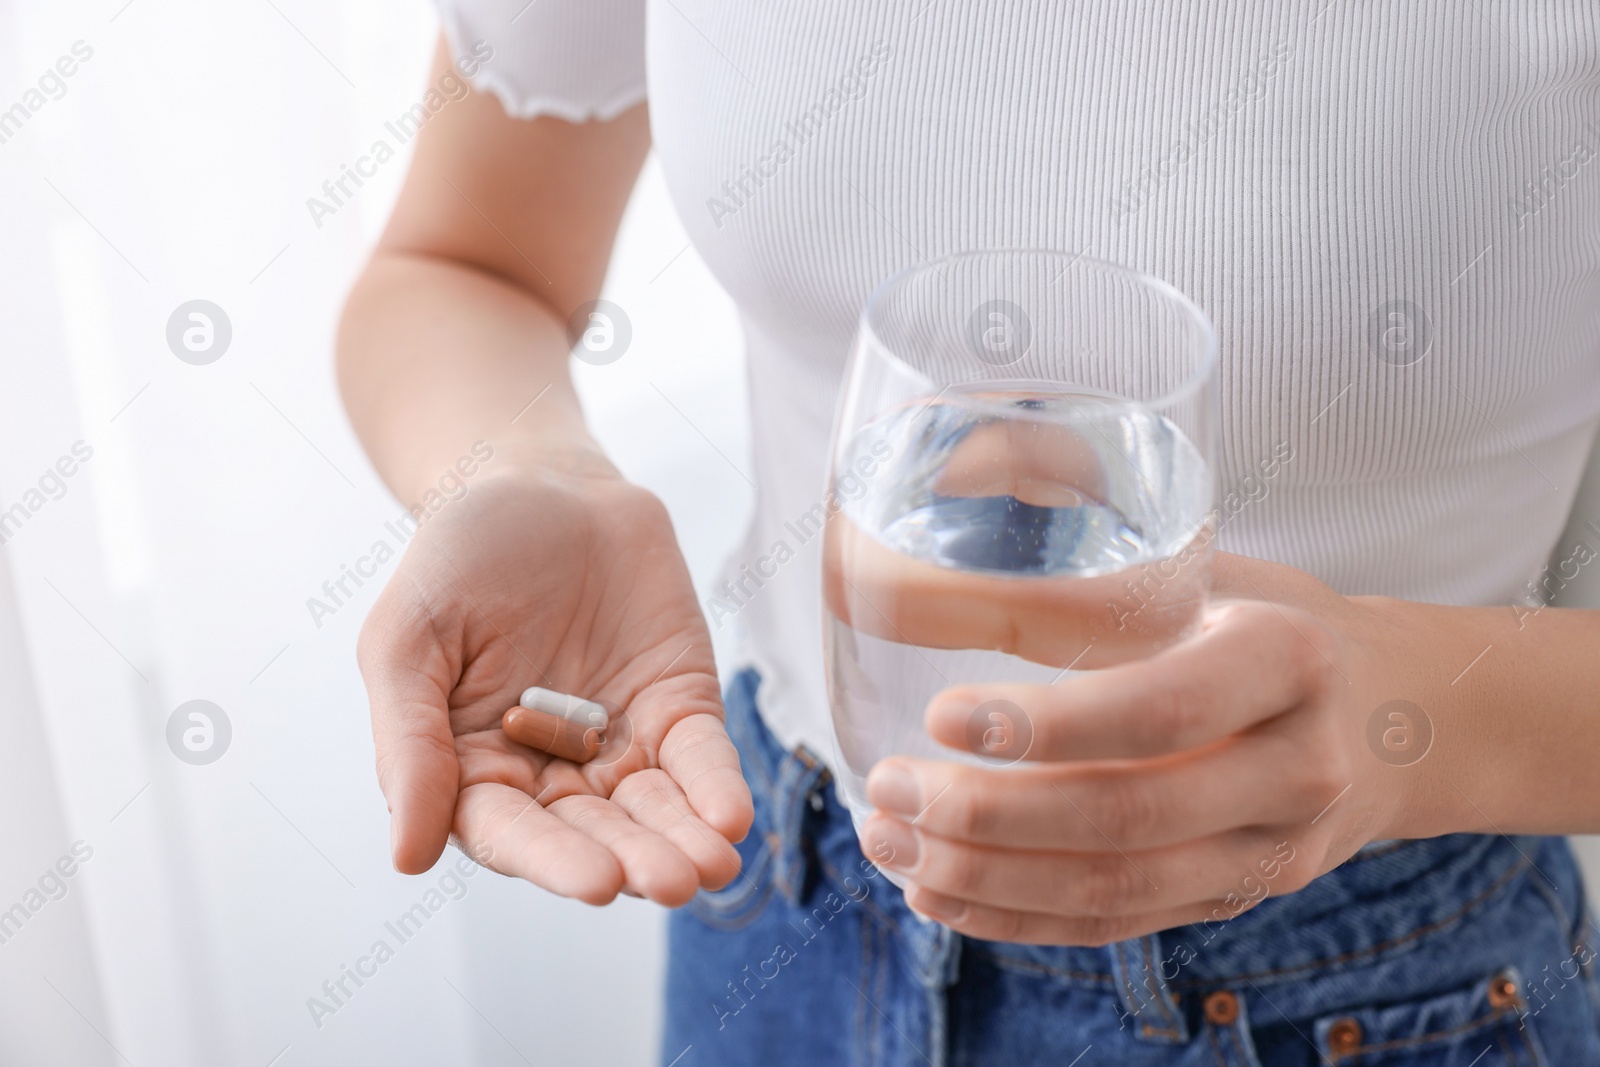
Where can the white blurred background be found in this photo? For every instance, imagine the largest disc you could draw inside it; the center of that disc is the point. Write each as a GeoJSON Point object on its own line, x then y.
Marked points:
{"type": "Point", "coordinates": [175, 564]}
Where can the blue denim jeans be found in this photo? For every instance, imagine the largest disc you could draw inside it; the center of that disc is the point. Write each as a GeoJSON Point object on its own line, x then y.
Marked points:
{"type": "Point", "coordinates": [1467, 951]}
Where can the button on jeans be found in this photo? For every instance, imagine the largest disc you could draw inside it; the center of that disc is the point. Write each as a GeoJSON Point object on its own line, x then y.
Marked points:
{"type": "Point", "coordinates": [1465, 950]}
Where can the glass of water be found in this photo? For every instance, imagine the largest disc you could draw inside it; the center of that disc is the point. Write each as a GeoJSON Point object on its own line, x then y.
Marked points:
{"type": "Point", "coordinates": [1021, 485]}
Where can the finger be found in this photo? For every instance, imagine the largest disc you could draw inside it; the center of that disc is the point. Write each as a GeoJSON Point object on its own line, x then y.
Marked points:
{"type": "Point", "coordinates": [1060, 621]}
{"type": "Point", "coordinates": [526, 841]}
{"type": "Point", "coordinates": [1031, 928]}
{"type": "Point", "coordinates": [1100, 807]}
{"type": "Point", "coordinates": [651, 865]}
{"type": "Point", "coordinates": [1097, 884]}
{"type": "Point", "coordinates": [702, 760]}
{"type": "Point", "coordinates": [653, 800]}
{"type": "Point", "coordinates": [577, 742]}
{"type": "Point", "coordinates": [1253, 661]}
{"type": "Point", "coordinates": [418, 772]}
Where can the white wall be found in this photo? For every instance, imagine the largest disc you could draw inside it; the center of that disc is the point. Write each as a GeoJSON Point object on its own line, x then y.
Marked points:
{"type": "Point", "coordinates": [177, 564]}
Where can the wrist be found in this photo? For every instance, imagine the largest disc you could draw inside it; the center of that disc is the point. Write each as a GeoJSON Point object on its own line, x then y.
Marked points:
{"type": "Point", "coordinates": [571, 456]}
{"type": "Point", "coordinates": [1417, 714]}
{"type": "Point", "coordinates": [521, 458]}
{"type": "Point", "coordinates": [1498, 701]}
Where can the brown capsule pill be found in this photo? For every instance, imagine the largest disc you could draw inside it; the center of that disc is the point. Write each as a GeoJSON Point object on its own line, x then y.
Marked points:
{"type": "Point", "coordinates": [561, 737]}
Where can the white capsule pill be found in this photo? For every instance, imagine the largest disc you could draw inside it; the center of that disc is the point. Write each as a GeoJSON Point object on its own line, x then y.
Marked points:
{"type": "Point", "coordinates": [573, 709]}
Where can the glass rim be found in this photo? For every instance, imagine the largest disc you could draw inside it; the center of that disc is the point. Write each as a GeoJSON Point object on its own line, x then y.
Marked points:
{"type": "Point", "coordinates": [1208, 356]}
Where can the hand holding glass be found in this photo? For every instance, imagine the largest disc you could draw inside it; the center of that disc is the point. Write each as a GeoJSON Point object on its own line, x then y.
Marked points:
{"type": "Point", "coordinates": [1023, 465]}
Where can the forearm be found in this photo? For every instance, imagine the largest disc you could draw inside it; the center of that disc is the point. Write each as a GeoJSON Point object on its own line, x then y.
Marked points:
{"type": "Point", "coordinates": [1513, 697]}
{"type": "Point", "coordinates": [435, 355]}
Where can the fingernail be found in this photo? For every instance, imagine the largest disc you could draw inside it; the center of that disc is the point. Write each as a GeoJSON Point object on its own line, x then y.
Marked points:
{"type": "Point", "coordinates": [893, 788]}
{"type": "Point", "coordinates": [891, 843]}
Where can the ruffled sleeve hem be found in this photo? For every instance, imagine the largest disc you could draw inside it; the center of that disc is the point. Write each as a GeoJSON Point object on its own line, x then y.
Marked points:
{"type": "Point", "coordinates": [576, 60]}
{"type": "Point", "coordinates": [520, 105]}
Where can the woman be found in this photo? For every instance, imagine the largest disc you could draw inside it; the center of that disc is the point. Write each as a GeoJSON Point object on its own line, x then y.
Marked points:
{"type": "Point", "coordinates": [1304, 835]}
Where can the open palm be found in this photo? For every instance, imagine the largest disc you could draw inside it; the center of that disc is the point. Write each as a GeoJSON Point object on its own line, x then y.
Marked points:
{"type": "Point", "coordinates": [574, 583]}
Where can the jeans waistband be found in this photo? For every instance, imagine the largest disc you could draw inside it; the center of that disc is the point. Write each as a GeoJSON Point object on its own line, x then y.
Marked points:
{"type": "Point", "coordinates": [811, 839]}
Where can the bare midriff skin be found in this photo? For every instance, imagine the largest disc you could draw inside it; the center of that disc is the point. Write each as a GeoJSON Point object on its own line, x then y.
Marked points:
{"type": "Point", "coordinates": [1184, 771]}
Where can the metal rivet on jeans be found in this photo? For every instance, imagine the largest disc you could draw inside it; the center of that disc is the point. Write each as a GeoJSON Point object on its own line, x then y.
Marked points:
{"type": "Point", "coordinates": [1222, 1008]}
{"type": "Point", "coordinates": [1344, 1036]}
{"type": "Point", "coordinates": [1503, 992]}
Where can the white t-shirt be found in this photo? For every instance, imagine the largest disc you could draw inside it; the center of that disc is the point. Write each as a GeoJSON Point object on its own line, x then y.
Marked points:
{"type": "Point", "coordinates": [1390, 211]}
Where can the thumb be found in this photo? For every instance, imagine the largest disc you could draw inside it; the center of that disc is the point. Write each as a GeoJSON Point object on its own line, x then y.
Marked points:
{"type": "Point", "coordinates": [408, 677]}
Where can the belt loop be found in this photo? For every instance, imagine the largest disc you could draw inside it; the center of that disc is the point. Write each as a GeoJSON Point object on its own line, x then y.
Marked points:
{"type": "Point", "coordinates": [1147, 1004]}
{"type": "Point", "coordinates": [1229, 1025]}
{"type": "Point", "coordinates": [800, 777]}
